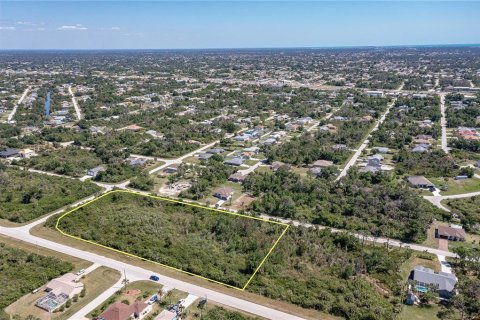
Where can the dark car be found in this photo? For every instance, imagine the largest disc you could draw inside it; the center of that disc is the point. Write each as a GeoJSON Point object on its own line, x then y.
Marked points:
{"type": "Point", "coordinates": [154, 277]}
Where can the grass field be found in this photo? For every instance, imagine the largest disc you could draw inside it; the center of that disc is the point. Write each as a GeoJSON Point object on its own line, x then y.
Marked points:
{"type": "Point", "coordinates": [457, 186]}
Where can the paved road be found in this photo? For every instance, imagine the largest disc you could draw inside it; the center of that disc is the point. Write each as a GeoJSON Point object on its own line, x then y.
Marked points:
{"type": "Point", "coordinates": [365, 143]}
{"type": "Point", "coordinates": [443, 123]}
{"type": "Point", "coordinates": [436, 200]}
{"type": "Point", "coordinates": [391, 242]}
{"type": "Point", "coordinates": [12, 114]}
{"type": "Point", "coordinates": [75, 105]}
{"type": "Point", "coordinates": [135, 273]}
{"type": "Point", "coordinates": [169, 162]}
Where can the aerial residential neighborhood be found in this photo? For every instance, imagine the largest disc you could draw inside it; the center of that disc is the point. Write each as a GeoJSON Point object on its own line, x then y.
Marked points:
{"type": "Point", "coordinates": [200, 160]}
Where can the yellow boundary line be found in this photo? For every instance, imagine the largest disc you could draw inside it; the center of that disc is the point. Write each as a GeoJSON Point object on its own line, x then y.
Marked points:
{"type": "Point", "coordinates": [183, 203]}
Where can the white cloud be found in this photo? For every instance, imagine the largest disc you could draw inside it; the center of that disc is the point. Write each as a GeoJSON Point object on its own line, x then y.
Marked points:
{"type": "Point", "coordinates": [72, 27]}
{"type": "Point", "coordinates": [115, 28]}
{"type": "Point", "coordinates": [41, 29]}
{"type": "Point", "coordinates": [7, 28]}
{"type": "Point", "coordinates": [26, 23]}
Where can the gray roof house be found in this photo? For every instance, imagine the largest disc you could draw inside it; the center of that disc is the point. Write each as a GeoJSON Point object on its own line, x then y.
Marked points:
{"type": "Point", "coordinates": [205, 156]}
{"type": "Point", "coordinates": [443, 281]}
{"type": "Point", "coordinates": [234, 161]}
{"type": "Point", "coordinates": [420, 182]}
{"type": "Point", "coordinates": [215, 151]}
{"type": "Point", "coordinates": [9, 153]}
{"type": "Point", "coordinates": [94, 171]}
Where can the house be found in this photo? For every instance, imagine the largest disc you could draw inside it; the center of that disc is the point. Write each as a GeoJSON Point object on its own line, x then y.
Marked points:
{"type": "Point", "coordinates": [9, 153]}
{"type": "Point", "coordinates": [166, 315]}
{"type": "Point", "coordinates": [420, 182]}
{"type": "Point", "coordinates": [171, 168]}
{"type": "Point", "coordinates": [242, 138]}
{"type": "Point", "coordinates": [234, 162]}
{"type": "Point", "coordinates": [26, 153]}
{"type": "Point", "coordinates": [278, 164]}
{"type": "Point", "coordinates": [419, 149]}
{"type": "Point", "coordinates": [374, 93]}
{"type": "Point", "coordinates": [137, 162]}
{"type": "Point", "coordinates": [370, 168]}
{"type": "Point", "coordinates": [94, 171]}
{"type": "Point", "coordinates": [205, 156]}
{"type": "Point", "coordinates": [215, 151]}
{"type": "Point", "coordinates": [237, 177]}
{"type": "Point", "coordinates": [450, 233]}
{"type": "Point", "coordinates": [382, 150]}
{"type": "Point", "coordinates": [443, 281]}
{"type": "Point", "coordinates": [132, 127]}
{"type": "Point", "coordinates": [121, 311]}
{"type": "Point", "coordinates": [316, 171]}
{"type": "Point", "coordinates": [59, 291]}
{"type": "Point", "coordinates": [223, 193]}
{"type": "Point", "coordinates": [270, 141]}
{"type": "Point", "coordinates": [255, 150]}
{"type": "Point", "coordinates": [321, 164]}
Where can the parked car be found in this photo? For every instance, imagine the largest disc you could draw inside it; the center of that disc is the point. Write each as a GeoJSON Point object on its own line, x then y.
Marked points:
{"type": "Point", "coordinates": [154, 277]}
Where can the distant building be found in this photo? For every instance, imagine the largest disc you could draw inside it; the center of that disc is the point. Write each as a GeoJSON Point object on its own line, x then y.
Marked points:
{"type": "Point", "coordinates": [205, 156]}
{"type": "Point", "coordinates": [9, 153]}
{"type": "Point", "coordinates": [237, 177]}
{"type": "Point", "coordinates": [420, 182]}
{"type": "Point", "coordinates": [234, 162]}
{"type": "Point", "coordinates": [223, 193]}
{"type": "Point", "coordinates": [94, 171]}
{"type": "Point", "coordinates": [450, 233]}
{"type": "Point", "coordinates": [321, 164]}
{"type": "Point", "coordinates": [26, 153]}
{"type": "Point", "coordinates": [215, 151]}
{"type": "Point", "coordinates": [373, 93]}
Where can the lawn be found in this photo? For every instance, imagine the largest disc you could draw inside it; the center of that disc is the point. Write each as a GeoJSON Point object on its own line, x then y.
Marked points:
{"type": "Point", "coordinates": [25, 195]}
{"type": "Point", "coordinates": [215, 245]}
{"type": "Point", "coordinates": [419, 313]}
{"type": "Point", "coordinates": [456, 186]}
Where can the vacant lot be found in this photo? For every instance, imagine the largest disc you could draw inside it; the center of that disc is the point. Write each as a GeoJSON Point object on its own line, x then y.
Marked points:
{"type": "Point", "coordinates": [26, 195]}
{"type": "Point", "coordinates": [219, 246]}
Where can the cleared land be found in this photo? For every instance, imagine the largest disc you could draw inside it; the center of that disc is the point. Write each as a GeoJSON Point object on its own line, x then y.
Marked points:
{"type": "Point", "coordinates": [26, 195]}
{"type": "Point", "coordinates": [221, 247]}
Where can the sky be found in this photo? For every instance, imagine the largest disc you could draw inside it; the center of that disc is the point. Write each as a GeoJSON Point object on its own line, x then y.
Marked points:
{"type": "Point", "coordinates": [230, 24]}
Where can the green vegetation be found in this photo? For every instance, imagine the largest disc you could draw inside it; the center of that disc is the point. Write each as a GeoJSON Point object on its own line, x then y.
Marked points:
{"type": "Point", "coordinates": [374, 204]}
{"type": "Point", "coordinates": [71, 161]}
{"type": "Point", "coordinates": [432, 164]}
{"type": "Point", "coordinates": [468, 211]}
{"type": "Point", "coordinates": [219, 313]}
{"type": "Point", "coordinates": [27, 195]}
{"type": "Point", "coordinates": [215, 245]}
{"type": "Point", "coordinates": [22, 272]}
{"type": "Point", "coordinates": [333, 273]}
{"type": "Point", "coordinates": [204, 177]}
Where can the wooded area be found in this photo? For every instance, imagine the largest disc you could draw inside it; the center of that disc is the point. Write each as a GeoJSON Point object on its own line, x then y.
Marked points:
{"type": "Point", "coordinates": [27, 195]}
{"type": "Point", "coordinates": [215, 245]}
{"type": "Point", "coordinates": [22, 272]}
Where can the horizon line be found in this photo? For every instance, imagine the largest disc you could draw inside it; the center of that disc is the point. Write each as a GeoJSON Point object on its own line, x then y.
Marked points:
{"type": "Point", "coordinates": [254, 48]}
